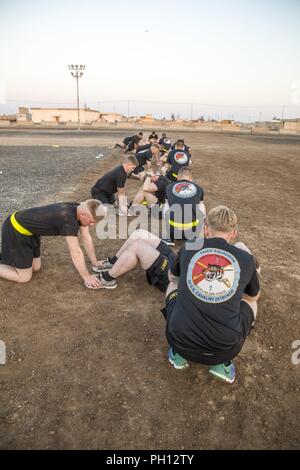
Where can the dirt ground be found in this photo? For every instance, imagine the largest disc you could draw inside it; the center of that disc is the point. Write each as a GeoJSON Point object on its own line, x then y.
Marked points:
{"type": "Point", "coordinates": [88, 369]}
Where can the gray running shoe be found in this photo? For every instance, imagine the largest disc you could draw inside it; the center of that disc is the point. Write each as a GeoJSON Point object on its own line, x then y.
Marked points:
{"type": "Point", "coordinates": [107, 284]}
{"type": "Point", "coordinates": [106, 266]}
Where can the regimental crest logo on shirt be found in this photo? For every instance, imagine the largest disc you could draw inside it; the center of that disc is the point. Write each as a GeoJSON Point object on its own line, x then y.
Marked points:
{"type": "Point", "coordinates": [167, 141]}
{"type": "Point", "coordinates": [213, 275]}
{"type": "Point", "coordinates": [181, 158]}
{"type": "Point", "coordinates": [184, 189]}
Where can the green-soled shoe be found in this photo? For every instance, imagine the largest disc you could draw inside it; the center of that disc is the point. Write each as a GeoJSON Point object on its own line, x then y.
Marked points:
{"type": "Point", "coordinates": [224, 373]}
{"type": "Point", "coordinates": [176, 360]}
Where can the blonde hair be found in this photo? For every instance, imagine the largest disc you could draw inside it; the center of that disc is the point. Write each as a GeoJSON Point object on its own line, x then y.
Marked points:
{"type": "Point", "coordinates": [94, 207]}
{"type": "Point", "coordinates": [185, 171]}
{"type": "Point", "coordinates": [131, 159]}
{"type": "Point", "coordinates": [221, 219]}
{"type": "Point", "coordinates": [155, 146]}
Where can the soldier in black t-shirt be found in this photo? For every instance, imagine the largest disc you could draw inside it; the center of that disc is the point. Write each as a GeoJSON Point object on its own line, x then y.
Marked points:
{"type": "Point", "coordinates": [174, 160]}
{"type": "Point", "coordinates": [163, 137]}
{"type": "Point", "coordinates": [22, 231]}
{"type": "Point", "coordinates": [185, 147]}
{"type": "Point", "coordinates": [211, 302]}
{"type": "Point", "coordinates": [184, 209]}
{"type": "Point", "coordinates": [130, 143]}
{"type": "Point", "coordinates": [114, 182]}
{"type": "Point", "coordinates": [165, 144]}
{"type": "Point", "coordinates": [145, 249]}
{"type": "Point", "coordinates": [153, 137]}
{"type": "Point", "coordinates": [144, 157]}
{"type": "Point", "coordinates": [153, 191]}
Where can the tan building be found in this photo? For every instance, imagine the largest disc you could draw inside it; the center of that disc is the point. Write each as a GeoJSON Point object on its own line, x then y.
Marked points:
{"type": "Point", "coordinates": [290, 126]}
{"type": "Point", "coordinates": [69, 115]}
{"type": "Point", "coordinates": [146, 118]}
{"type": "Point", "coordinates": [112, 117]}
{"type": "Point", "coordinates": [64, 115]}
{"type": "Point", "coordinates": [23, 116]}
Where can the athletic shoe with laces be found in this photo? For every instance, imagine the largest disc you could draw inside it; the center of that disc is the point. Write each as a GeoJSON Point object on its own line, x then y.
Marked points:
{"type": "Point", "coordinates": [120, 212]}
{"type": "Point", "coordinates": [107, 284]}
{"type": "Point", "coordinates": [105, 266]}
{"type": "Point", "coordinates": [176, 360]}
{"type": "Point", "coordinates": [130, 212]}
{"type": "Point", "coordinates": [223, 372]}
{"type": "Point", "coordinates": [168, 241]}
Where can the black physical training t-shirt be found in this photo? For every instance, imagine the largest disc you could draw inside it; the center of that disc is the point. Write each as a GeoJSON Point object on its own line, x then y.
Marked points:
{"type": "Point", "coordinates": [188, 195]}
{"type": "Point", "coordinates": [111, 181]}
{"type": "Point", "coordinates": [143, 156]}
{"type": "Point", "coordinates": [132, 138]}
{"type": "Point", "coordinates": [53, 219]}
{"type": "Point", "coordinates": [165, 142]}
{"type": "Point", "coordinates": [153, 136]}
{"type": "Point", "coordinates": [177, 159]}
{"type": "Point", "coordinates": [206, 319]}
{"type": "Point", "coordinates": [161, 185]}
{"type": "Point", "coordinates": [143, 147]}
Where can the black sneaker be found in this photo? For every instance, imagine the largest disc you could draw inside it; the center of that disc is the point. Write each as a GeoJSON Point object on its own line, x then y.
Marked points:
{"type": "Point", "coordinates": [107, 284]}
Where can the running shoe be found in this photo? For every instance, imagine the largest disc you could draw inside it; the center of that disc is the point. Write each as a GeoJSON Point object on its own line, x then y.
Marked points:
{"type": "Point", "coordinates": [224, 373]}
{"type": "Point", "coordinates": [176, 360]}
{"type": "Point", "coordinates": [107, 284]}
{"type": "Point", "coordinates": [105, 266]}
{"type": "Point", "coordinates": [168, 241]}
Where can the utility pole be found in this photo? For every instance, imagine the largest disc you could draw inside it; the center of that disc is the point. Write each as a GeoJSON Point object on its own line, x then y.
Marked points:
{"type": "Point", "coordinates": [77, 72]}
{"type": "Point", "coordinates": [191, 118]}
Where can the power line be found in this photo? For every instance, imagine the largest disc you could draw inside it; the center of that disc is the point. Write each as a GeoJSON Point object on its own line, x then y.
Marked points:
{"type": "Point", "coordinates": [161, 102]}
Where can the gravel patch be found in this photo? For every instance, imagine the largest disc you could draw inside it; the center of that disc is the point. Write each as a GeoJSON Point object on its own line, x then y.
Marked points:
{"type": "Point", "coordinates": [30, 174]}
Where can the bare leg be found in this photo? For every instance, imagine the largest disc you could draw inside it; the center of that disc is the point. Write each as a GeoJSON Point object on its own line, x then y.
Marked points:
{"type": "Point", "coordinates": [242, 246]}
{"type": "Point", "coordinates": [253, 306]}
{"type": "Point", "coordinates": [138, 198]}
{"type": "Point", "coordinates": [36, 264]}
{"type": "Point", "coordinates": [138, 176]}
{"type": "Point", "coordinates": [164, 169]}
{"type": "Point", "coordinates": [150, 198]}
{"type": "Point", "coordinates": [140, 234]}
{"type": "Point", "coordinates": [138, 252]}
{"type": "Point", "coordinates": [13, 274]}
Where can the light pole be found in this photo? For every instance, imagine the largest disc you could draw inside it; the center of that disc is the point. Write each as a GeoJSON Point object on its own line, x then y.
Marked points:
{"type": "Point", "coordinates": [77, 72]}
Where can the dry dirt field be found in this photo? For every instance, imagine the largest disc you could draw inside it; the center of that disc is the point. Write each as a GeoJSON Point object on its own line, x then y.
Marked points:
{"type": "Point", "coordinates": [88, 369]}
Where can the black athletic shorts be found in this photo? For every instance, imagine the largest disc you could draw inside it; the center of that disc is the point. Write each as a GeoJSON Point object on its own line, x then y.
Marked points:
{"type": "Point", "coordinates": [157, 274]}
{"type": "Point", "coordinates": [104, 198]}
{"type": "Point", "coordinates": [18, 250]}
{"type": "Point", "coordinates": [247, 318]}
{"type": "Point", "coordinates": [130, 146]}
{"type": "Point", "coordinates": [138, 169]}
{"type": "Point", "coordinates": [170, 176]}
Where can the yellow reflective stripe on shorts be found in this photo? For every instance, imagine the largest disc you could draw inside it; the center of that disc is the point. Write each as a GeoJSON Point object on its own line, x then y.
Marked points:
{"type": "Point", "coordinates": [188, 225]}
{"type": "Point", "coordinates": [18, 227]}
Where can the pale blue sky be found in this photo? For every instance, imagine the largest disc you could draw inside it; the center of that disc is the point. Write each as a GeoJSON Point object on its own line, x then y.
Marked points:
{"type": "Point", "coordinates": [232, 52]}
